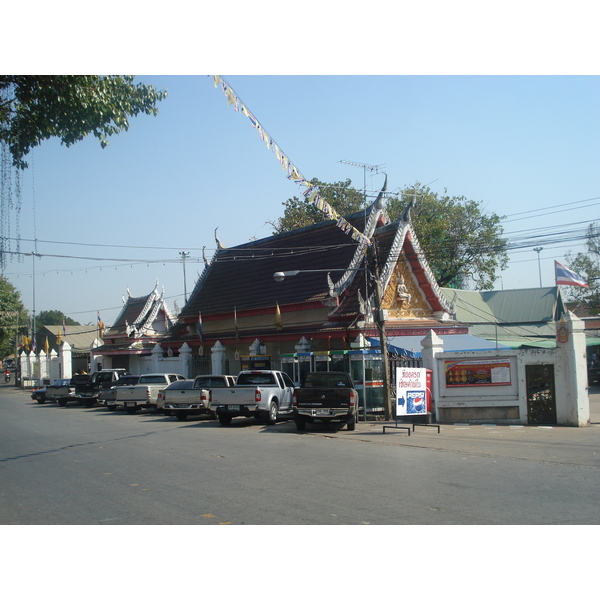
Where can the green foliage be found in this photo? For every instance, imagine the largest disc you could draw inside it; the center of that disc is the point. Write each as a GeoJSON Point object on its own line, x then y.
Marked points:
{"type": "Point", "coordinates": [49, 318]}
{"type": "Point", "coordinates": [12, 314]}
{"type": "Point", "coordinates": [586, 264]}
{"type": "Point", "coordinates": [459, 241]}
{"type": "Point", "coordinates": [34, 108]}
{"type": "Point", "coordinates": [299, 212]}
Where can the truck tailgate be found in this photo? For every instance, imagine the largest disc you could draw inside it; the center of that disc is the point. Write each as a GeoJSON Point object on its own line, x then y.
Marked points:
{"type": "Point", "coordinates": [323, 397]}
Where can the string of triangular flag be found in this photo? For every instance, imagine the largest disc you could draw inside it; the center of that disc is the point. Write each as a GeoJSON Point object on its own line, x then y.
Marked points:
{"type": "Point", "coordinates": [293, 173]}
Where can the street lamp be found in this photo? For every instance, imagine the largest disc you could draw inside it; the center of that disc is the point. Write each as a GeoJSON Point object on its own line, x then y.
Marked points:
{"type": "Point", "coordinates": [33, 255]}
{"type": "Point", "coordinates": [538, 250]}
{"type": "Point", "coordinates": [379, 321]}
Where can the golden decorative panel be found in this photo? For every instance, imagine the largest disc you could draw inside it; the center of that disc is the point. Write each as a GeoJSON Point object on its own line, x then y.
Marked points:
{"type": "Point", "coordinates": [402, 298]}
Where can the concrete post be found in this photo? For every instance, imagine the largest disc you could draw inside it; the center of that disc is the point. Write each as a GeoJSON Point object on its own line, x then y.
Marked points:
{"type": "Point", "coordinates": [185, 360]}
{"type": "Point", "coordinates": [218, 353]}
{"type": "Point", "coordinates": [156, 355]}
{"type": "Point", "coordinates": [66, 360]}
{"type": "Point", "coordinates": [433, 345]}
{"type": "Point", "coordinates": [571, 341]}
{"type": "Point", "coordinates": [95, 360]}
{"type": "Point", "coordinates": [54, 366]}
{"type": "Point", "coordinates": [43, 365]}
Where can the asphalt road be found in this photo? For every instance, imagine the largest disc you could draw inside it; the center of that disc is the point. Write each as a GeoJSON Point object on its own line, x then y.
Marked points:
{"type": "Point", "coordinates": [78, 466]}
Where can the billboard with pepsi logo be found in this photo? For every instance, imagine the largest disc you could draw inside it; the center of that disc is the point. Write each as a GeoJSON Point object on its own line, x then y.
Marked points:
{"type": "Point", "coordinates": [411, 391]}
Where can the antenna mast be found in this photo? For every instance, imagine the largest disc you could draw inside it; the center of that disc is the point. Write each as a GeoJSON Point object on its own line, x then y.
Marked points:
{"type": "Point", "coordinates": [364, 168]}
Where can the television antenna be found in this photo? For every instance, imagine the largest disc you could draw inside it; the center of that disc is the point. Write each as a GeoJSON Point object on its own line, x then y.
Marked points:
{"type": "Point", "coordinates": [364, 167]}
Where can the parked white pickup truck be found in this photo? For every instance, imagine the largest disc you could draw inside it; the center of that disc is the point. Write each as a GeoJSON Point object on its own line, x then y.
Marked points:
{"type": "Point", "coordinates": [181, 401]}
{"type": "Point", "coordinates": [264, 395]}
{"type": "Point", "coordinates": [145, 393]}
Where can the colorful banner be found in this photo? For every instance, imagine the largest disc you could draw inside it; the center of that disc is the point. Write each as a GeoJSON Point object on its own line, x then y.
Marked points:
{"type": "Point", "coordinates": [470, 373]}
{"type": "Point", "coordinates": [312, 194]}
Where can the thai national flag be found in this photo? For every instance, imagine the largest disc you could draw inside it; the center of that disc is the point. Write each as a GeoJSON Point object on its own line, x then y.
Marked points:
{"type": "Point", "coordinates": [199, 326]}
{"type": "Point", "coordinates": [565, 276]}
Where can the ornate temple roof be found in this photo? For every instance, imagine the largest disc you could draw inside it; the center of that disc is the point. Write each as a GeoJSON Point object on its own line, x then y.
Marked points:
{"type": "Point", "coordinates": [335, 279]}
{"type": "Point", "coordinates": [142, 317]}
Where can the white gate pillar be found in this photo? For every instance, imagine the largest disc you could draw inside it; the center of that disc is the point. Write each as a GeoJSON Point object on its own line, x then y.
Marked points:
{"type": "Point", "coordinates": [95, 359]}
{"type": "Point", "coordinates": [571, 342]}
{"type": "Point", "coordinates": [66, 360]}
{"type": "Point", "coordinates": [185, 360]}
{"type": "Point", "coordinates": [157, 353]}
{"type": "Point", "coordinates": [217, 355]}
{"type": "Point", "coordinates": [53, 366]}
{"type": "Point", "coordinates": [433, 345]}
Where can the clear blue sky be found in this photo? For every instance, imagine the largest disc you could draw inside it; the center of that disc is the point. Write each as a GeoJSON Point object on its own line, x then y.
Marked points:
{"type": "Point", "coordinates": [516, 143]}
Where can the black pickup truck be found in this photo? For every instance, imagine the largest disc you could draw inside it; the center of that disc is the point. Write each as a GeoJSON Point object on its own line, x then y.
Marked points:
{"type": "Point", "coordinates": [326, 396]}
{"type": "Point", "coordinates": [87, 390]}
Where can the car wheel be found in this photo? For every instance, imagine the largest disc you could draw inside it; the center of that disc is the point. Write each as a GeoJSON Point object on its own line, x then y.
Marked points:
{"type": "Point", "coordinates": [167, 412]}
{"type": "Point", "coordinates": [181, 416]}
{"type": "Point", "coordinates": [224, 420]}
{"type": "Point", "coordinates": [41, 400]}
{"type": "Point", "coordinates": [131, 410]}
{"type": "Point", "coordinates": [351, 423]}
{"type": "Point", "coordinates": [271, 417]}
{"type": "Point", "coordinates": [300, 423]}
{"type": "Point", "coordinates": [62, 402]}
{"type": "Point", "coordinates": [112, 407]}
{"type": "Point", "coordinates": [88, 402]}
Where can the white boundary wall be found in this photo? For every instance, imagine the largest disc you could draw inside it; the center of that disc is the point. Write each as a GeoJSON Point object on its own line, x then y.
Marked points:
{"type": "Point", "coordinates": [508, 403]}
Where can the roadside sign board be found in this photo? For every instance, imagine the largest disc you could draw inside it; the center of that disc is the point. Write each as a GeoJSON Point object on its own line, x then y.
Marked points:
{"type": "Point", "coordinates": [411, 391]}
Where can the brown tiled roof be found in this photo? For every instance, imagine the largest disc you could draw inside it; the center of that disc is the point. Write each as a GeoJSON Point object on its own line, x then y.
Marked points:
{"type": "Point", "coordinates": [242, 277]}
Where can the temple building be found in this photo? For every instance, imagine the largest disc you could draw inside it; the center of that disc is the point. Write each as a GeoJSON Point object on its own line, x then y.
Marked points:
{"type": "Point", "coordinates": [315, 299]}
{"type": "Point", "coordinates": [143, 322]}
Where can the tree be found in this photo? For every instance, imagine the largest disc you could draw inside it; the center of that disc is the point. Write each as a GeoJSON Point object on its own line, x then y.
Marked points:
{"type": "Point", "coordinates": [37, 107]}
{"type": "Point", "coordinates": [49, 318]}
{"type": "Point", "coordinates": [586, 264]}
{"type": "Point", "coordinates": [13, 317]}
{"type": "Point", "coordinates": [299, 213]}
{"type": "Point", "coordinates": [459, 241]}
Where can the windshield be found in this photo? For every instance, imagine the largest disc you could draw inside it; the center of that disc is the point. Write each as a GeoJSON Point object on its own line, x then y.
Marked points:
{"type": "Point", "coordinates": [152, 379]}
{"type": "Point", "coordinates": [327, 379]}
{"type": "Point", "coordinates": [256, 379]}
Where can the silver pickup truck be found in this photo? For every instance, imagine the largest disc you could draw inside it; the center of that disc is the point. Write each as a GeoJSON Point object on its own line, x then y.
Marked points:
{"type": "Point", "coordinates": [145, 393]}
{"type": "Point", "coordinates": [182, 400]}
{"type": "Point", "coordinates": [264, 395]}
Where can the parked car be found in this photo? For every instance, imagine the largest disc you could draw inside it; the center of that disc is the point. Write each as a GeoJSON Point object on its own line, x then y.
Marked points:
{"type": "Point", "coordinates": [264, 395]}
{"type": "Point", "coordinates": [88, 390]}
{"type": "Point", "coordinates": [39, 393]}
{"type": "Point", "coordinates": [108, 397]}
{"type": "Point", "coordinates": [182, 386]}
{"type": "Point", "coordinates": [62, 390]}
{"type": "Point", "coordinates": [145, 393]}
{"type": "Point", "coordinates": [192, 397]}
{"type": "Point", "coordinates": [326, 396]}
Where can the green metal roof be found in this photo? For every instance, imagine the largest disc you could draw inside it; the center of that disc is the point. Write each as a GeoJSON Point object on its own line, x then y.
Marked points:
{"type": "Point", "coordinates": [532, 305]}
{"type": "Point", "coordinates": [513, 318]}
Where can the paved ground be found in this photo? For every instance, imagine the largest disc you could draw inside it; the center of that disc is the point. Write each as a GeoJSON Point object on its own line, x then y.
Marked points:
{"type": "Point", "coordinates": [550, 444]}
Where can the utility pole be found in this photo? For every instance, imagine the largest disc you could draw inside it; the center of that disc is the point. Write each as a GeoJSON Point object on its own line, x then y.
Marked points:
{"type": "Point", "coordinates": [379, 319]}
{"type": "Point", "coordinates": [538, 250]}
{"type": "Point", "coordinates": [184, 255]}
